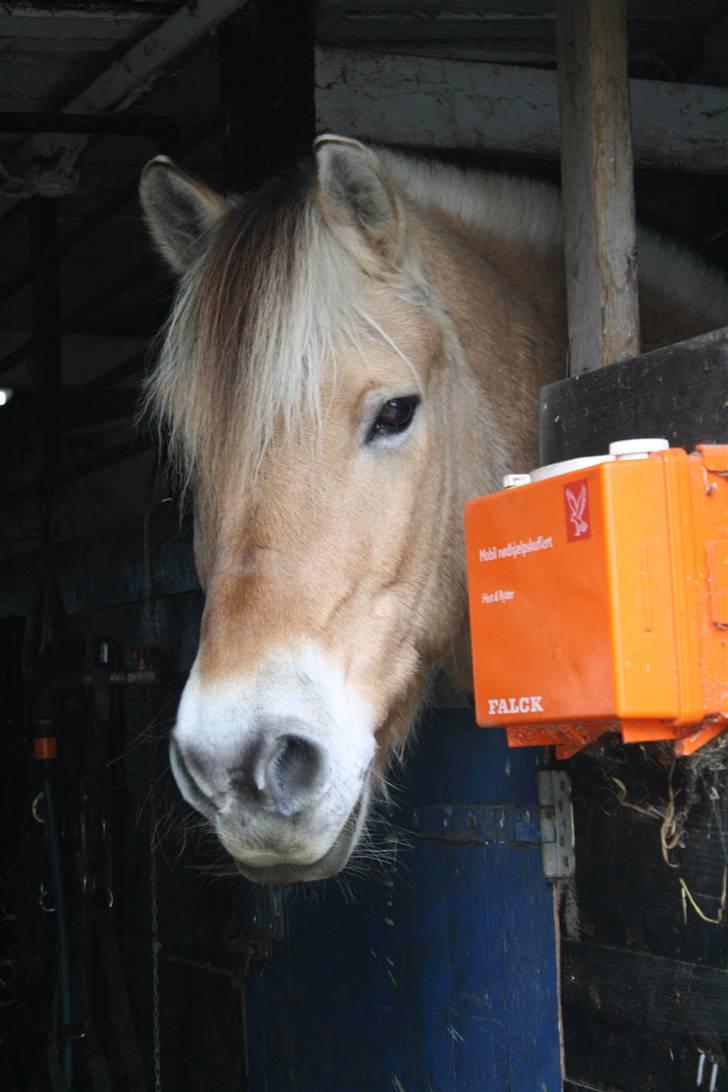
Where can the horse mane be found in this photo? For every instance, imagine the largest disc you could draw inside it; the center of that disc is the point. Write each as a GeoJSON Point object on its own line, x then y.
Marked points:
{"type": "Point", "coordinates": [519, 210]}
{"type": "Point", "coordinates": [528, 213]}
{"type": "Point", "coordinates": [273, 295]}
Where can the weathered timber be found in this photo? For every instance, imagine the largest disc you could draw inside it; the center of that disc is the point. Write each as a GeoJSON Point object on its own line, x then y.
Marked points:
{"type": "Point", "coordinates": [504, 25]}
{"type": "Point", "coordinates": [125, 80]}
{"type": "Point", "coordinates": [100, 215]}
{"type": "Point", "coordinates": [644, 985]}
{"type": "Point", "coordinates": [505, 109]}
{"type": "Point", "coordinates": [664, 996]}
{"type": "Point", "coordinates": [46, 363]}
{"type": "Point", "coordinates": [597, 186]}
{"type": "Point", "coordinates": [27, 121]}
{"type": "Point", "coordinates": [638, 1023]}
{"type": "Point", "coordinates": [678, 392]}
{"type": "Point", "coordinates": [267, 81]}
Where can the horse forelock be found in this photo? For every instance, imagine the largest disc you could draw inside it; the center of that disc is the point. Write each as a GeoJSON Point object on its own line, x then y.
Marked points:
{"type": "Point", "coordinates": [262, 309]}
{"type": "Point", "coordinates": [255, 319]}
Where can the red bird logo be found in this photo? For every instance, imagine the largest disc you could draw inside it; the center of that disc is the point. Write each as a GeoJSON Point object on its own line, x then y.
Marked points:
{"type": "Point", "coordinates": [577, 504]}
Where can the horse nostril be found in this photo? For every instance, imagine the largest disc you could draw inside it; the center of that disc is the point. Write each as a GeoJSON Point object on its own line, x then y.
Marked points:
{"type": "Point", "coordinates": [294, 773]}
{"type": "Point", "coordinates": [195, 777]}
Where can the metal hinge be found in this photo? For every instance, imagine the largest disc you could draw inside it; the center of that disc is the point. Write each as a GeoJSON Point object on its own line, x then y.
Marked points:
{"type": "Point", "coordinates": [557, 824]}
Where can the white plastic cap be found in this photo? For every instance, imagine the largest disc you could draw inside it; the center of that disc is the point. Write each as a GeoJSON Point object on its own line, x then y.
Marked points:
{"type": "Point", "coordinates": [639, 448]}
{"type": "Point", "coordinates": [554, 470]}
{"type": "Point", "coordinates": [510, 481]}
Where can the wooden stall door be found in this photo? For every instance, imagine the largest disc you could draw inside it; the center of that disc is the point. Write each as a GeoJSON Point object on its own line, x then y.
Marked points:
{"type": "Point", "coordinates": [438, 972]}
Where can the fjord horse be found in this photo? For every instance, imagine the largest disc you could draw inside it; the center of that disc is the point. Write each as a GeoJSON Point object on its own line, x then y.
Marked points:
{"type": "Point", "coordinates": [354, 351]}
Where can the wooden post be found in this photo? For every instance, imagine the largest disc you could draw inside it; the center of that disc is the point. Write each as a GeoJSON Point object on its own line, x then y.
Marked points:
{"type": "Point", "coordinates": [597, 183]}
{"type": "Point", "coordinates": [46, 356]}
{"type": "Point", "coordinates": [267, 76]}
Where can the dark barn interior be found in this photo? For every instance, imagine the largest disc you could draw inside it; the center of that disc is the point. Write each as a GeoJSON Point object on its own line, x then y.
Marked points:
{"type": "Point", "coordinates": [182, 975]}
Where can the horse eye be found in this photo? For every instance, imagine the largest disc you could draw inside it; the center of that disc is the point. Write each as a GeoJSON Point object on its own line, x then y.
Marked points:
{"type": "Point", "coordinates": [395, 416]}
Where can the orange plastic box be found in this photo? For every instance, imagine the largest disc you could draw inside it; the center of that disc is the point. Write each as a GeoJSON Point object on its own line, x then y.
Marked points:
{"type": "Point", "coordinates": [598, 597]}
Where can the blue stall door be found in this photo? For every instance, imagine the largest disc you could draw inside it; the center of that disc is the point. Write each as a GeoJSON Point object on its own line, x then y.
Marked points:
{"type": "Point", "coordinates": [437, 973]}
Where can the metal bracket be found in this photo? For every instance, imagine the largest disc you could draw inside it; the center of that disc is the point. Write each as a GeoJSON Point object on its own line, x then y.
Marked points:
{"type": "Point", "coordinates": [557, 824]}
{"type": "Point", "coordinates": [268, 917]}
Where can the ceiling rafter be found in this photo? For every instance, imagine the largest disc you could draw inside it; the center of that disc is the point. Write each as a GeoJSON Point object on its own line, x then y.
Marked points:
{"type": "Point", "coordinates": [47, 163]}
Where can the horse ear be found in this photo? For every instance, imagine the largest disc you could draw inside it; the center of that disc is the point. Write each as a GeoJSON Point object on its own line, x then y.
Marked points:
{"type": "Point", "coordinates": [178, 210]}
{"type": "Point", "coordinates": [359, 201]}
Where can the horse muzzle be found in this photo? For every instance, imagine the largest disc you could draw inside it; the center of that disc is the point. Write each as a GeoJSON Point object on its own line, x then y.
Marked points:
{"type": "Point", "coordinates": [282, 781]}
{"type": "Point", "coordinates": [273, 819]}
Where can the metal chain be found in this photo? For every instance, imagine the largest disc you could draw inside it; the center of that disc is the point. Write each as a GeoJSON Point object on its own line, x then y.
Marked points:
{"type": "Point", "coordinates": [153, 899]}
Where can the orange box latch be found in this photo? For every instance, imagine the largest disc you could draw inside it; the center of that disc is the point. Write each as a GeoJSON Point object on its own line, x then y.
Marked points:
{"type": "Point", "coordinates": [598, 598]}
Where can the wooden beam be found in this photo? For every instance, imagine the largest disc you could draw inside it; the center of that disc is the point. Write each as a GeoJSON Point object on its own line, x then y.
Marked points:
{"type": "Point", "coordinates": [82, 9]}
{"type": "Point", "coordinates": [129, 76]}
{"type": "Point", "coordinates": [267, 89]}
{"type": "Point", "coordinates": [506, 109]}
{"type": "Point", "coordinates": [116, 88]}
{"type": "Point", "coordinates": [597, 183]}
{"type": "Point", "coordinates": [46, 357]}
{"type": "Point", "coordinates": [677, 392]}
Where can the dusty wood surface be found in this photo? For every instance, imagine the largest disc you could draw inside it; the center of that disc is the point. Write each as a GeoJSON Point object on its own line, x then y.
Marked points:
{"type": "Point", "coordinates": [443, 103]}
{"type": "Point", "coordinates": [115, 88]}
{"type": "Point", "coordinates": [644, 985]}
{"type": "Point", "coordinates": [597, 184]}
{"type": "Point", "coordinates": [267, 74]}
{"type": "Point", "coordinates": [678, 392]}
{"type": "Point", "coordinates": [644, 980]}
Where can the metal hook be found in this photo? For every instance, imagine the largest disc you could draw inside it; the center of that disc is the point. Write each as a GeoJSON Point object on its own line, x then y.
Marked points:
{"type": "Point", "coordinates": [34, 808]}
{"type": "Point", "coordinates": [88, 889]}
{"type": "Point", "coordinates": [42, 903]}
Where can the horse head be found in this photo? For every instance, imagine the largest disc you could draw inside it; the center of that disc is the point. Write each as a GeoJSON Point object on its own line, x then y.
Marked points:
{"type": "Point", "coordinates": [316, 388]}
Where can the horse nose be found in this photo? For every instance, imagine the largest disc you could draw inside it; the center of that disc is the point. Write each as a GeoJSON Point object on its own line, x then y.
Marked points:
{"type": "Point", "coordinates": [282, 772]}
{"type": "Point", "coordinates": [290, 775]}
